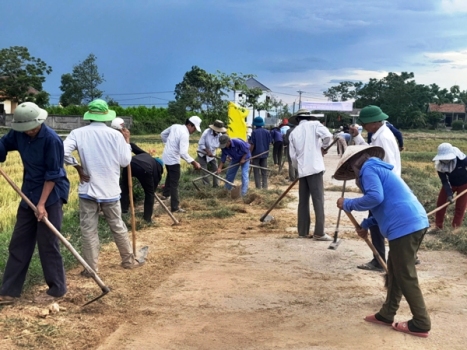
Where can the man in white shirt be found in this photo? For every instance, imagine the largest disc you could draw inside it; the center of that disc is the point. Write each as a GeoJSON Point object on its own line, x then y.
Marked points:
{"type": "Point", "coordinates": [306, 145]}
{"type": "Point", "coordinates": [207, 145]}
{"type": "Point", "coordinates": [103, 151]}
{"type": "Point", "coordinates": [177, 140]}
{"type": "Point", "coordinates": [372, 119]}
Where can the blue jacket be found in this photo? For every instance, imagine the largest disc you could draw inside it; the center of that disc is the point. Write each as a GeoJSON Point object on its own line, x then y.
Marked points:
{"type": "Point", "coordinates": [394, 207]}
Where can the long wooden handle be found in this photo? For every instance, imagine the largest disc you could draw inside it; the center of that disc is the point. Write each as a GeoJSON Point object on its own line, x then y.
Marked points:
{"type": "Point", "coordinates": [218, 177]}
{"type": "Point", "coordinates": [65, 242]}
{"type": "Point", "coordinates": [372, 247]}
{"type": "Point", "coordinates": [132, 209]}
{"type": "Point", "coordinates": [447, 203]}
{"type": "Point", "coordinates": [166, 209]}
{"type": "Point", "coordinates": [278, 199]}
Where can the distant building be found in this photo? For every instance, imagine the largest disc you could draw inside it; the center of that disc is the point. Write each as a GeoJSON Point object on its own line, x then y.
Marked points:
{"type": "Point", "coordinates": [450, 111]}
{"type": "Point", "coordinates": [239, 98]}
{"type": "Point", "coordinates": [8, 106]}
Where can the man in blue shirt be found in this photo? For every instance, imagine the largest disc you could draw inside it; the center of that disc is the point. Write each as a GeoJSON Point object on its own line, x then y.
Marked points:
{"type": "Point", "coordinates": [239, 153]}
{"type": "Point", "coordinates": [46, 185]}
{"type": "Point", "coordinates": [401, 219]}
{"type": "Point", "coordinates": [260, 140]}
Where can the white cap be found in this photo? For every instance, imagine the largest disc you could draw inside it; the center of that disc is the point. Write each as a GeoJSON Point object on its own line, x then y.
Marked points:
{"type": "Point", "coordinates": [196, 122]}
{"type": "Point", "coordinates": [117, 123]}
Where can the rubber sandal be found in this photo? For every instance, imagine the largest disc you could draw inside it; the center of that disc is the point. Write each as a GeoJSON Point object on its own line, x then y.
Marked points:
{"type": "Point", "coordinates": [6, 300]}
{"type": "Point", "coordinates": [373, 319]}
{"type": "Point", "coordinates": [46, 299]}
{"type": "Point", "coordinates": [370, 267]}
{"type": "Point", "coordinates": [404, 328]}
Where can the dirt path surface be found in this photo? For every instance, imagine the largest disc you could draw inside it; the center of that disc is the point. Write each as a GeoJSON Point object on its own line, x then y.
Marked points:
{"type": "Point", "coordinates": [237, 283]}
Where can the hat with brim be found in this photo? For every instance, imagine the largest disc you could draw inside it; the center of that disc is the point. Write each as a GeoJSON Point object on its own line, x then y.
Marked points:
{"type": "Point", "coordinates": [302, 114]}
{"type": "Point", "coordinates": [28, 116]}
{"type": "Point", "coordinates": [258, 121]}
{"type": "Point", "coordinates": [445, 152]}
{"type": "Point", "coordinates": [99, 111]}
{"type": "Point", "coordinates": [371, 114]}
{"type": "Point", "coordinates": [344, 169]}
{"type": "Point", "coordinates": [218, 126]}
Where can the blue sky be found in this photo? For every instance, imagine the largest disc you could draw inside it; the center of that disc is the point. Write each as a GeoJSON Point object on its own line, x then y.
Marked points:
{"type": "Point", "coordinates": [144, 47]}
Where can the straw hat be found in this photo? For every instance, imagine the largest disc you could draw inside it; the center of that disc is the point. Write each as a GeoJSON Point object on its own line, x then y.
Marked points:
{"type": "Point", "coordinates": [302, 113]}
{"type": "Point", "coordinates": [218, 126]}
{"type": "Point", "coordinates": [344, 170]}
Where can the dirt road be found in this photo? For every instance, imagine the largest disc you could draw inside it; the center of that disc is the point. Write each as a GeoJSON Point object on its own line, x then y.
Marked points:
{"type": "Point", "coordinates": [236, 283]}
{"type": "Point", "coordinates": [255, 286]}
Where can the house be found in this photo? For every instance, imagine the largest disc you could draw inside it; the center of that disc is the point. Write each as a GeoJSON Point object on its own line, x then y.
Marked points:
{"type": "Point", "coordinates": [450, 111]}
{"type": "Point", "coordinates": [239, 98]}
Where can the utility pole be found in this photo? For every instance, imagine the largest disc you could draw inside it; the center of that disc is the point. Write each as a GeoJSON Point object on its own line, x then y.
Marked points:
{"type": "Point", "coordinates": [300, 92]}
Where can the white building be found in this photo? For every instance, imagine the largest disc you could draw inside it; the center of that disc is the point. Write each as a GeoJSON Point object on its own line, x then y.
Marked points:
{"type": "Point", "coordinates": [239, 98]}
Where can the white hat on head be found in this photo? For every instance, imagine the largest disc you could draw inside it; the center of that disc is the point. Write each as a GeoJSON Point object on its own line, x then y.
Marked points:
{"type": "Point", "coordinates": [196, 121]}
{"type": "Point", "coordinates": [117, 124]}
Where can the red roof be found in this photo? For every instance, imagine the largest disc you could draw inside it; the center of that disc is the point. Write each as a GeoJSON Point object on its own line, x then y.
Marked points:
{"type": "Point", "coordinates": [447, 108]}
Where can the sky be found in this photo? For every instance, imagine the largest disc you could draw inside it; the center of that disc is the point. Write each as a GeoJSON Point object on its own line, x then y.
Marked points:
{"type": "Point", "coordinates": [144, 47]}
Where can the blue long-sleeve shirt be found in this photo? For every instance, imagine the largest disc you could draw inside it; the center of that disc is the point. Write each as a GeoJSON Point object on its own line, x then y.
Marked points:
{"type": "Point", "coordinates": [42, 158]}
{"type": "Point", "coordinates": [236, 151]}
{"type": "Point", "coordinates": [394, 207]}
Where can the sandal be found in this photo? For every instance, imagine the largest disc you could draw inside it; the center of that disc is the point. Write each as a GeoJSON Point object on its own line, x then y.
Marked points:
{"type": "Point", "coordinates": [6, 300]}
{"type": "Point", "coordinates": [404, 327]}
{"type": "Point", "coordinates": [373, 319]}
{"type": "Point", "coordinates": [370, 267]}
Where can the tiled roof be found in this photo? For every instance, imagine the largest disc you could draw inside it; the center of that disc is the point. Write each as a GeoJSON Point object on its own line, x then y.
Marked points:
{"type": "Point", "coordinates": [447, 108]}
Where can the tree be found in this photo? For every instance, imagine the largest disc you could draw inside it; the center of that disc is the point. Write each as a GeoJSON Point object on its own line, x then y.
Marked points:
{"type": "Point", "coordinates": [19, 72]}
{"type": "Point", "coordinates": [82, 83]}
{"type": "Point", "coordinates": [346, 90]}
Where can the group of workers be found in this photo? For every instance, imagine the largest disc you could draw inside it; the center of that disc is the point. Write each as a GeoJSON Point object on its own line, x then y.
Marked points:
{"type": "Point", "coordinates": [103, 151]}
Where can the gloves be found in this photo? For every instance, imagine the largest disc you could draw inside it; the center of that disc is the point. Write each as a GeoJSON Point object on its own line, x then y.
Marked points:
{"type": "Point", "coordinates": [450, 200]}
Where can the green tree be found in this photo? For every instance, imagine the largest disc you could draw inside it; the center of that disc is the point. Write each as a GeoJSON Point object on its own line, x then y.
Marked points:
{"type": "Point", "coordinates": [83, 83]}
{"type": "Point", "coordinates": [345, 91]}
{"type": "Point", "coordinates": [72, 93]}
{"type": "Point", "coordinates": [19, 72]}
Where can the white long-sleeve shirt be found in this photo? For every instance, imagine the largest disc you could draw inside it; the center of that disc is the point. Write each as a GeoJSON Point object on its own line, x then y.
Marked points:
{"type": "Point", "coordinates": [208, 141]}
{"type": "Point", "coordinates": [102, 151]}
{"type": "Point", "coordinates": [177, 140]}
{"type": "Point", "coordinates": [385, 139]}
{"type": "Point", "coordinates": [305, 143]}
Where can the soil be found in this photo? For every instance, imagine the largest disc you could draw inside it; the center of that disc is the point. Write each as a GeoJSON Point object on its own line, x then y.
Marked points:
{"type": "Point", "coordinates": [237, 283]}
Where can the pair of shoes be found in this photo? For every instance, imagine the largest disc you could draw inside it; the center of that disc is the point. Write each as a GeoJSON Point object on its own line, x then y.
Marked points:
{"type": "Point", "coordinates": [164, 197]}
{"type": "Point", "coordinates": [7, 300]}
{"type": "Point", "coordinates": [179, 210]}
{"type": "Point", "coordinates": [434, 231]}
{"type": "Point", "coordinates": [324, 237]}
{"type": "Point", "coordinates": [404, 327]}
{"type": "Point", "coordinates": [46, 299]}
{"type": "Point", "coordinates": [85, 273]}
{"type": "Point", "coordinates": [135, 265]}
{"type": "Point", "coordinates": [300, 236]}
{"type": "Point", "coordinates": [373, 319]}
{"type": "Point", "coordinates": [370, 267]}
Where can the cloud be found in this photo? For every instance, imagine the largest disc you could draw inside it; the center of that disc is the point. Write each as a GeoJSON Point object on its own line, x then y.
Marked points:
{"type": "Point", "coordinates": [454, 6]}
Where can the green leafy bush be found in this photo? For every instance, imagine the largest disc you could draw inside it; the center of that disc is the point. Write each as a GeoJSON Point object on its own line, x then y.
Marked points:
{"type": "Point", "coordinates": [457, 125]}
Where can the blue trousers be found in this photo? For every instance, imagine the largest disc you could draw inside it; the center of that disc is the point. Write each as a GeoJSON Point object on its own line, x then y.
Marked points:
{"type": "Point", "coordinates": [232, 172]}
{"type": "Point", "coordinates": [26, 233]}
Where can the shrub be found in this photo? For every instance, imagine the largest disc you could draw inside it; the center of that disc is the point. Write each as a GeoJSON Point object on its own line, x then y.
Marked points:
{"type": "Point", "coordinates": [457, 125]}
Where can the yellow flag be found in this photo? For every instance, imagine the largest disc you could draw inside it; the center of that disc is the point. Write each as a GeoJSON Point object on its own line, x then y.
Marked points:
{"type": "Point", "coordinates": [237, 125]}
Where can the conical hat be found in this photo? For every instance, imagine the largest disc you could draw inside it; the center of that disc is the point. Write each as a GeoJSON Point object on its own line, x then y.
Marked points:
{"type": "Point", "coordinates": [344, 170]}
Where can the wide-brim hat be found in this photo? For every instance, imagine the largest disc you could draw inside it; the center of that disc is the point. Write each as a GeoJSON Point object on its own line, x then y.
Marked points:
{"type": "Point", "coordinates": [445, 152]}
{"type": "Point", "coordinates": [28, 116]}
{"type": "Point", "coordinates": [258, 121]}
{"type": "Point", "coordinates": [218, 126]}
{"type": "Point", "coordinates": [302, 113]}
{"type": "Point", "coordinates": [371, 114]}
{"type": "Point", "coordinates": [99, 111]}
{"type": "Point", "coordinates": [344, 170]}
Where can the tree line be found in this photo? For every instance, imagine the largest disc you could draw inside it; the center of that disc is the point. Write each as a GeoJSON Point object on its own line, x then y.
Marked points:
{"type": "Point", "coordinates": [206, 94]}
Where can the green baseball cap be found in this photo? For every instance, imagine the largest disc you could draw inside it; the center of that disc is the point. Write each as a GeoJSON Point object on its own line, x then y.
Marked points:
{"type": "Point", "coordinates": [371, 114]}
{"type": "Point", "coordinates": [99, 111]}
